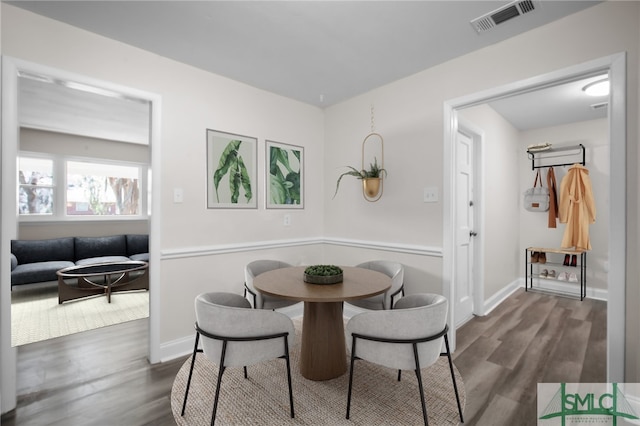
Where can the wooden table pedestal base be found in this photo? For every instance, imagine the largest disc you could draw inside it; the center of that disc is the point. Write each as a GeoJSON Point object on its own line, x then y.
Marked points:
{"type": "Point", "coordinates": [323, 355]}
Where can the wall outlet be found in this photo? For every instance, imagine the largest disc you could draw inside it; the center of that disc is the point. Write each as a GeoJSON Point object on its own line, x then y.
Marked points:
{"type": "Point", "coordinates": [178, 195]}
{"type": "Point", "coordinates": [287, 220]}
{"type": "Point", "coordinates": [431, 194]}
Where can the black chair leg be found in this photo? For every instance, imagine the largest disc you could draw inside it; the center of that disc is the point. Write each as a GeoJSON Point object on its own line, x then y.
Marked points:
{"type": "Point", "coordinates": [245, 371]}
{"type": "Point", "coordinates": [399, 374]}
{"type": "Point", "coordinates": [420, 387]}
{"type": "Point", "coordinates": [424, 405]}
{"type": "Point", "coordinates": [453, 377]}
{"type": "Point", "coordinates": [353, 351]}
{"type": "Point", "coordinates": [220, 373]}
{"type": "Point", "coordinates": [286, 343]}
{"type": "Point", "coordinates": [215, 400]}
{"type": "Point", "coordinates": [193, 360]}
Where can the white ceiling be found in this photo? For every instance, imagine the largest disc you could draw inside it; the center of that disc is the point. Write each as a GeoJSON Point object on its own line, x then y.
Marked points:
{"type": "Point", "coordinates": [553, 106]}
{"type": "Point", "coordinates": [60, 106]}
{"type": "Point", "coordinates": [317, 52]}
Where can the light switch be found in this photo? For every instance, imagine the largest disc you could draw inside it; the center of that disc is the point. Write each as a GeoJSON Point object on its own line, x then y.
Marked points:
{"type": "Point", "coordinates": [287, 219]}
{"type": "Point", "coordinates": [431, 194]}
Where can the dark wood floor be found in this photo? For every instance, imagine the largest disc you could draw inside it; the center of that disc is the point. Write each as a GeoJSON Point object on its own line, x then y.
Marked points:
{"type": "Point", "coordinates": [99, 377]}
{"type": "Point", "coordinates": [530, 338]}
{"type": "Point", "coordinates": [102, 377]}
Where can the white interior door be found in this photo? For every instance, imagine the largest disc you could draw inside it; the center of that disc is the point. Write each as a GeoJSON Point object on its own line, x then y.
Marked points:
{"type": "Point", "coordinates": [464, 229]}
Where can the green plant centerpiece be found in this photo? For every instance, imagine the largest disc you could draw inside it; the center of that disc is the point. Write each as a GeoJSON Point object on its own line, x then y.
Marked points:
{"type": "Point", "coordinates": [373, 174]}
{"type": "Point", "coordinates": [323, 274]}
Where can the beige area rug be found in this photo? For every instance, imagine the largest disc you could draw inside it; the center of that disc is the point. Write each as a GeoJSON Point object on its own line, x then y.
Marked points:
{"type": "Point", "coordinates": [263, 399]}
{"type": "Point", "coordinates": [36, 314]}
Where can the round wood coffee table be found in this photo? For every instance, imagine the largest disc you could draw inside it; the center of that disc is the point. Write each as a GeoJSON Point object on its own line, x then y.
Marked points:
{"type": "Point", "coordinates": [323, 355]}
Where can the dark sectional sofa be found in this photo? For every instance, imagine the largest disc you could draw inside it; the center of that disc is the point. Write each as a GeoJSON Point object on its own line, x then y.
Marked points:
{"type": "Point", "coordinates": [34, 261]}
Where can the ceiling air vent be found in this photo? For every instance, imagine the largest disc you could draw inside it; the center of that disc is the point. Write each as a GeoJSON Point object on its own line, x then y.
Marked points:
{"type": "Point", "coordinates": [503, 14]}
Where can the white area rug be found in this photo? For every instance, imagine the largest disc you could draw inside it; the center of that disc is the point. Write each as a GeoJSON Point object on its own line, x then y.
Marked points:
{"type": "Point", "coordinates": [36, 314]}
{"type": "Point", "coordinates": [262, 399]}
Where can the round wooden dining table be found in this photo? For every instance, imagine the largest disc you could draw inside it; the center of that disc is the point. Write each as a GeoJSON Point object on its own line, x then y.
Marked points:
{"type": "Point", "coordinates": [323, 353]}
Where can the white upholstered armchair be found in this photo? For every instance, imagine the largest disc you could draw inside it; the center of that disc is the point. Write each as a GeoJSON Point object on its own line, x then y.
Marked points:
{"type": "Point", "coordinates": [395, 271]}
{"type": "Point", "coordinates": [263, 301]}
{"type": "Point", "coordinates": [409, 337]}
{"type": "Point", "coordinates": [235, 335]}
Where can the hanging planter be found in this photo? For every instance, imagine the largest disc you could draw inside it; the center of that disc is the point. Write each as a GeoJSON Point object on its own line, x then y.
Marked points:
{"type": "Point", "coordinates": [371, 180]}
{"type": "Point", "coordinates": [371, 186]}
{"type": "Point", "coordinates": [372, 183]}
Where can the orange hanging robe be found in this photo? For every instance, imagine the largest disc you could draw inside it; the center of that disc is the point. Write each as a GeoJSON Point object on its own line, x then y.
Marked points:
{"type": "Point", "coordinates": [577, 208]}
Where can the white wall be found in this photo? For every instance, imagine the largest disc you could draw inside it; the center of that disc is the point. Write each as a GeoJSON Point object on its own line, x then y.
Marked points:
{"type": "Point", "coordinates": [409, 114]}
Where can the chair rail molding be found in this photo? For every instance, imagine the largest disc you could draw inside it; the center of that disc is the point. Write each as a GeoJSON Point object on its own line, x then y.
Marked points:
{"type": "Point", "coordinates": [212, 250]}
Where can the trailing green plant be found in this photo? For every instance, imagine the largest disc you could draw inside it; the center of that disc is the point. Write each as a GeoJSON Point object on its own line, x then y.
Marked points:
{"type": "Point", "coordinates": [231, 162]}
{"type": "Point", "coordinates": [323, 270]}
{"type": "Point", "coordinates": [374, 171]}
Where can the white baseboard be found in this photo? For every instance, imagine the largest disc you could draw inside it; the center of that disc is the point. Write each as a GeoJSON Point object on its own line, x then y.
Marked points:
{"type": "Point", "coordinates": [548, 285]}
{"type": "Point", "coordinates": [499, 297]}
{"type": "Point", "coordinates": [177, 348]}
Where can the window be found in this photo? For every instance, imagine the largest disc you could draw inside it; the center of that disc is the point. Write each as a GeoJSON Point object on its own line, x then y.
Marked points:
{"type": "Point", "coordinates": [36, 190]}
{"type": "Point", "coordinates": [102, 189]}
{"type": "Point", "coordinates": [94, 188]}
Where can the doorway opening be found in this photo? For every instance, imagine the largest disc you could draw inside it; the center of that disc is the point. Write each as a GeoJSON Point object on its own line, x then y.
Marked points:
{"type": "Point", "coordinates": [615, 66]}
{"type": "Point", "coordinates": [11, 70]}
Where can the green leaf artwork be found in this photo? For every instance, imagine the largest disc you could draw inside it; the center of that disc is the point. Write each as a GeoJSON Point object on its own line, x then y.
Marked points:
{"type": "Point", "coordinates": [285, 183]}
{"type": "Point", "coordinates": [231, 163]}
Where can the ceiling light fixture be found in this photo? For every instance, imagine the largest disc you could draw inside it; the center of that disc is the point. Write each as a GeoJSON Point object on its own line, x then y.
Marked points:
{"type": "Point", "coordinates": [597, 88]}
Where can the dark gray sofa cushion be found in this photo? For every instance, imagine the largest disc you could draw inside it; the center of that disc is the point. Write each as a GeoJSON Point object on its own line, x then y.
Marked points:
{"type": "Point", "coordinates": [137, 244]}
{"type": "Point", "coordinates": [38, 272]}
{"type": "Point", "coordinates": [32, 251]}
{"type": "Point", "coordinates": [88, 247]}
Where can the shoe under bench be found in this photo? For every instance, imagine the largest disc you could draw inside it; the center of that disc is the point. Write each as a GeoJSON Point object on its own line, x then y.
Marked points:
{"type": "Point", "coordinates": [554, 257]}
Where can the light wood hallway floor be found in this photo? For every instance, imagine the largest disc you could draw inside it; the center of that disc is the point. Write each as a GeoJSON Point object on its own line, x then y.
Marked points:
{"type": "Point", "coordinates": [530, 338]}
{"type": "Point", "coordinates": [102, 377]}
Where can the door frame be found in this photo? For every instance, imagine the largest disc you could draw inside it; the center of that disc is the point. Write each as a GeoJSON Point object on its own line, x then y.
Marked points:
{"type": "Point", "coordinates": [616, 66]}
{"type": "Point", "coordinates": [9, 219]}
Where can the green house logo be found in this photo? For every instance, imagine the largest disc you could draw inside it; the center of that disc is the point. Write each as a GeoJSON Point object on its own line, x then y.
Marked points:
{"type": "Point", "coordinates": [597, 406]}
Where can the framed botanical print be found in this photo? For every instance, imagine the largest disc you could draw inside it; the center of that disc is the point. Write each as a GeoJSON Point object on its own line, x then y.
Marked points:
{"type": "Point", "coordinates": [231, 170]}
{"type": "Point", "coordinates": [284, 176]}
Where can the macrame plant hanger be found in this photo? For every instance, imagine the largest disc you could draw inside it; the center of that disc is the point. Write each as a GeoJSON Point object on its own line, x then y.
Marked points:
{"type": "Point", "coordinates": [372, 188]}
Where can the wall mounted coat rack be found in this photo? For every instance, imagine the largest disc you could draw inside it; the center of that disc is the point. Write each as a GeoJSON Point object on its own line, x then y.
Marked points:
{"type": "Point", "coordinates": [564, 154]}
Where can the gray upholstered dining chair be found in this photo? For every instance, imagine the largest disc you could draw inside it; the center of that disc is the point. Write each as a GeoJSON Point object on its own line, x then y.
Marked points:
{"type": "Point", "coordinates": [393, 270]}
{"type": "Point", "coordinates": [263, 301]}
{"type": "Point", "coordinates": [235, 335]}
{"type": "Point", "coordinates": [409, 337]}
